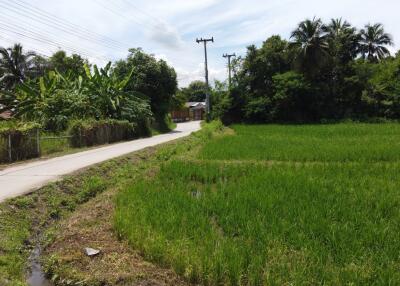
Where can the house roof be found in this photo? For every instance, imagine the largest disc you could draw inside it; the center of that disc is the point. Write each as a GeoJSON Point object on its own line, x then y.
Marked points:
{"type": "Point", "coordinates": [195, 104]}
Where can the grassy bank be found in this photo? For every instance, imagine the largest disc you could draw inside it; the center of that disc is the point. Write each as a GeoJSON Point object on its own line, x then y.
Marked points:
{"type": "Point", "coordinates": [274, 205]}
{"type": "Point", "coordinates": [70, 215]}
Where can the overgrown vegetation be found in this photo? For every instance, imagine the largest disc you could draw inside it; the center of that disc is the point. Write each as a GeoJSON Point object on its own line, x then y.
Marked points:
{"type": "Point", "coordinates": [274, 205]}
{"type": "Point", "coordinates": [325, 71]}
{"type": "Point", "coordinates": [58, 90]}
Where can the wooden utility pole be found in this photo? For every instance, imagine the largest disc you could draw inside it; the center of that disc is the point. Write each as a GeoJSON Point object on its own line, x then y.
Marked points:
{"type": "Point", "coordinates": [229, 66]}
{"type": "Point", "coordinates": [205, 41]}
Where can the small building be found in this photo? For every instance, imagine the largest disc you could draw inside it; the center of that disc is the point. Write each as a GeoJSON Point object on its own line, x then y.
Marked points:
{"type": "Point", "coordinates": [191, 111]}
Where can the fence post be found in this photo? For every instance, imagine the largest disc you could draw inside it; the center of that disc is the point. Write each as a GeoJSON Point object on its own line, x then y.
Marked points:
{"type": "Point", "coordinates": [38, 141]}
{"type": "Point", "coordinates": [9, 148]}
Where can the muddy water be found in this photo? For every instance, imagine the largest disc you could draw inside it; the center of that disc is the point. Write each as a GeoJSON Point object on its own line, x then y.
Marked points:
{"type": "Point", "coordinates": [36, 276]}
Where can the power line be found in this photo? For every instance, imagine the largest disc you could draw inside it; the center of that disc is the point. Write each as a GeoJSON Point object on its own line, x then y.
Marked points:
{"type": "Point", "coordinates": [42, 18]}
{"type": "Point", "coordinates": [151, 27]}
{"type": "Point", "coordinates": [118, 13]}
{"type": "Point", "coordinates": [40, 35]}
{"type": "Point", "coordinates": [66, 24]}
{"type": "Point", "coordinates": [33, 36]}
{"type": "Point", "coordinates": [144, 12]}
{"type": "Point", "coordinates": [37, 51]}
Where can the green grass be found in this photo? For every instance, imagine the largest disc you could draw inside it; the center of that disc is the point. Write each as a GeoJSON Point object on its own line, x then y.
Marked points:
{"type": "Point", "coordinates": [24, 218]}
{"type": "Point", "coordinates": [325, 210]}
{"type": "Point", "coordinates": [341, 142]}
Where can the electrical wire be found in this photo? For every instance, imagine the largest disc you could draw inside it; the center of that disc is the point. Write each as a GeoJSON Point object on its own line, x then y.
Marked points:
{"type": "Point", "coordinates": [19, 6]}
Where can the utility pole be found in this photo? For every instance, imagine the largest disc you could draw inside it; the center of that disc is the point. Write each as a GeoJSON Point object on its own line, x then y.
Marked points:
{"type": "Point", "coordinates": [229, 56]}
{"type": "Point", "coordinates": [205, 41]}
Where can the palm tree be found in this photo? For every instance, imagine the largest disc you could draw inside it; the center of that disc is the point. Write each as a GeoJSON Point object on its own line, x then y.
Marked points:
{"type": "Point", "coordinates": [15, 65]}
{"type": "Point", "coordinates": [343, 40]}
{"type": "Point", "coordinates": [373, 42]}
{"type": "Point", "coordinates": [310, 40]}
{"type": "Point", "coordinates": [337, 27]}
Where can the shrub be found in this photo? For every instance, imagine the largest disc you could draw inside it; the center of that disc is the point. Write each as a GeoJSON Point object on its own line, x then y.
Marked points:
{"type": "Point", "coordinates": [97, 132]}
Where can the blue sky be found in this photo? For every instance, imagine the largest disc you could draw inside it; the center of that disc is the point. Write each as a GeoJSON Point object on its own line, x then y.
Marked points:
{"type": "Point", "coordinates": [168, 29]}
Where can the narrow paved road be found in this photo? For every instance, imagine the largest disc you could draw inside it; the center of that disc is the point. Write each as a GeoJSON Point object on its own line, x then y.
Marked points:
{"type": "Point", "coordinates": [25, 178]}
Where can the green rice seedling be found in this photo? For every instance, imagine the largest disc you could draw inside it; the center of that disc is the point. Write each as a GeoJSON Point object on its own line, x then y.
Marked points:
{"type": "Point", "coordinates": [333, 143]}
{"type": "Point", "coordinates": [258, 224]}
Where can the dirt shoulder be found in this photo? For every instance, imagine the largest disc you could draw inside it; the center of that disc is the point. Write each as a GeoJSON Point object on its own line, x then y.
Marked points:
{"type": "Point", "coordinates": [117, 264]}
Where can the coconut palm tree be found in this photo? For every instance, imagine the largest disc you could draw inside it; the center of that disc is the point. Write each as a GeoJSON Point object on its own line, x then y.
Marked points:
{"type": "Point", "coordinates": [310, 41]}
{"type": "Point", "coordinates": [373, 42]}
{"type": "Point", "coordinates": [343, 40]}
{"type": "Point", "coordinates": [15, 65]}
{"type": "Point", "coordinates": [337, 27]}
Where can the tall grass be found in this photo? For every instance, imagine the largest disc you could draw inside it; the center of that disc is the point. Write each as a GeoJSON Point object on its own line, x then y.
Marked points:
{"type": "Point", "coordinates": [216, 222]}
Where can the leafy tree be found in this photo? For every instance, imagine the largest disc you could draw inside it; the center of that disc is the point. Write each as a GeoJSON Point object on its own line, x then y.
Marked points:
{"type": "Point", "coordinates": [256, 76]}
{"type": "Point", "coordinates": [178, 100]}
{"type": "Point", "coordinates": [195, 92]}
{"type": "Point", "coordinates": [40, 65]}
{"type": "Point", "coordinates": [381, 96]}
{"type": "Point", "coordinates": [152, 78]}
{"type": "Point", "coordinates": [292, 100]}
{"type": "Point", "coordinates": [220, 100]}
{"type": "Point", "coordinates": [374, 42]}
{"type": "Point", "coordinates": [260, 65]}
{"type": "Point", "coordinates": [64, 64]}
{"type": "Point", "coordinates": [15, 66]}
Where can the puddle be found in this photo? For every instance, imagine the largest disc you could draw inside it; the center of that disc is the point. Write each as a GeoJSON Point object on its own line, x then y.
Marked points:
{"type": "Point", "coordinates": [36, 276]}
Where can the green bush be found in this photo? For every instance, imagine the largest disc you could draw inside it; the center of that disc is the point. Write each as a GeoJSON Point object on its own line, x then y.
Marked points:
{"type": "Point", "coordinates": [23, 141]}
{"type": "Point", "coordinates": [98, 132]}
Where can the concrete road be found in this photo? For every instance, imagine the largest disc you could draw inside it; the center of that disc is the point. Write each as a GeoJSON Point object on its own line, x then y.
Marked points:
{"type": "Point", "coordinates": [25, 178]}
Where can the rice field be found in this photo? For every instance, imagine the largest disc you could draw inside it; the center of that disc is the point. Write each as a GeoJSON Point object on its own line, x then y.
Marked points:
{"type": "Point", "coordinates": [274, 205]}
{"type": "Point", "coordinates": [325, 143]}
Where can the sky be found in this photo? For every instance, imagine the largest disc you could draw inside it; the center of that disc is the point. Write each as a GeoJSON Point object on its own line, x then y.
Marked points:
{"type": "Point", "coordinates": [104, 30]}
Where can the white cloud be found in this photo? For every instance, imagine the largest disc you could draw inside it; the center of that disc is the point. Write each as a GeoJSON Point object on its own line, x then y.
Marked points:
{"type": "Point", "coordinates": [166, 35]}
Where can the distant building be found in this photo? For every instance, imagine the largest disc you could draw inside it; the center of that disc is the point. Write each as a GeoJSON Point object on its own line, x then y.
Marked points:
{"type": "Point", "coordinates": [191, 111]}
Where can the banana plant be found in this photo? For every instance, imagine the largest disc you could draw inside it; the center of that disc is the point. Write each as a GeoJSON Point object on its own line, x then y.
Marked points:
{"type": "Point", "coordinates": [108, 92]}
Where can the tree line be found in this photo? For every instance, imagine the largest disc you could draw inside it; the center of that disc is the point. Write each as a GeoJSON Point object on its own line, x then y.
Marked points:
{"type": "Point", "coordinates": [325, 72]}
{"type": "Point", "coordinates": [59, 89]}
